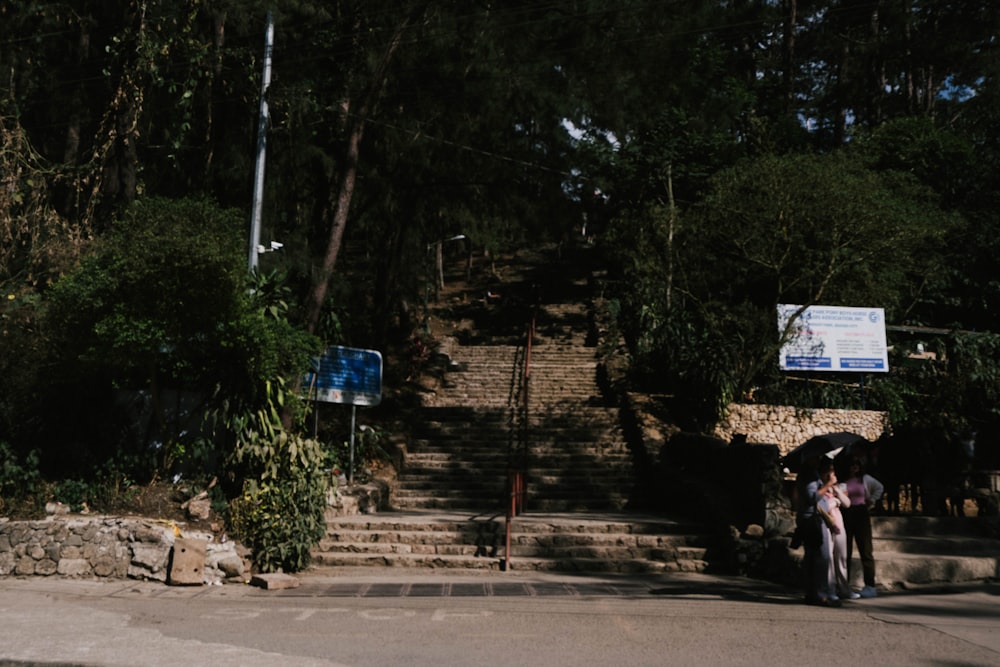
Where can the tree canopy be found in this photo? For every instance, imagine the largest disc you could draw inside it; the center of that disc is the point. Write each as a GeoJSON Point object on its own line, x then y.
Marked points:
{"type": "Point", "coordinates": [728, 155]}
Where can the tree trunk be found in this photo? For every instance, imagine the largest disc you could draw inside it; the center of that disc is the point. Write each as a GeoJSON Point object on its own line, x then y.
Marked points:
{"type": "Point", "coordinates": [340, 206]}
{"type": "Point", "coordinates": [671, 224]}
{"type": "Point", "coordinates": [219, 36]}
{"type": "Point", "coordinates": [791, 23]}
{"type": "Point", "coordinates": [347, 175]}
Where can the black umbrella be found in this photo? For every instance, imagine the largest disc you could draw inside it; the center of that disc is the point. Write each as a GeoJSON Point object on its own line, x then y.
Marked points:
{"type": "Point", "coordinates": [820, 445]}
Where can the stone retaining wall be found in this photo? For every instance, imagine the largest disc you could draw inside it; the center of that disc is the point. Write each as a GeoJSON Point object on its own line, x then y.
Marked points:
{"type": "Point", "coordinates": [789, 427]}
{"type": "Point", "coordinates": [78, 546]}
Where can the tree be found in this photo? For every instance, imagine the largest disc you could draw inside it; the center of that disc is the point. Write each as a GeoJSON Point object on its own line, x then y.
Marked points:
{"type": "Point", "coordinates": [163, 303]}
{"type": "Point", "coordinates": [451, 122]}
{"type": "Point", "coordinates": [793, 229]}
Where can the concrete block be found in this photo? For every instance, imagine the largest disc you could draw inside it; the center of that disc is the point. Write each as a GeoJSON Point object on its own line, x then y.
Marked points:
{"type": "Point", "coordinates": [188, 562]}
{"type": "Point", "coordinates": [274, 581]}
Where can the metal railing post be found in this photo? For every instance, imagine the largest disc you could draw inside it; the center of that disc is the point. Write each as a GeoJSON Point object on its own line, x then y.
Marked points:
{"type": "Point", "coordinates": [516, 484]}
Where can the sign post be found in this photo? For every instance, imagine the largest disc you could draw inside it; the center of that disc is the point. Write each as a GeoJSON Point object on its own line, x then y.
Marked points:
{"type": "Point", "coordinates": [349, 376]}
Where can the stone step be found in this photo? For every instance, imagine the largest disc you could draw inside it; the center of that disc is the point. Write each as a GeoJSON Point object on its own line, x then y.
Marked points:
{"type": "Point", "coordinates": [336, 559]}
{"type": "Point", "coordinates": [538, 434]}
{"type": "Point", "coordinates": [563, 453]}
{"type": "Point", "coordinates": [938, 550]}
{"type": "Point", "coordinates": [561, 385]}
{"type": "Point", "coordinates": [593, 503]}
{"type": "Point", "coordinates": [553, 458]}
{"type": "Point", "coordinates": [527, 564]}
{"type": "Point", "coordinates": [557, 357]}
{"type": "Point", "coordinates": [432, 501]}
{"type": "Point", "coordinates": [588, 470]}
{"type": "Point", "coordinates": [473, 495]}
{"type": "Point", "coordinates": [916, 526]}
{"type": "Point", "coordinates": [572, 415]}
{"type": "Point", "coordinates": [919, 568]}
{"type": "Point", "coordinates": [535, 435]}
{"type": "Point", "coordinates": [939, 545]}
{"type": "Point", "coordinates": [596, 498]}
{"type": "Point", "coordinates": [478, 490]}
{"type": "Point", "coordinates": [556, 542]}
{"type": "Point", "coordinates": [430, 476]}
{"type": "Point", "coordinates": [519, 550]}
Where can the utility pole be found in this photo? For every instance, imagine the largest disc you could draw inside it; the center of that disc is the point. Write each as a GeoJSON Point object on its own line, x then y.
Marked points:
{"type": "Point", "coordinates": [258, 183]}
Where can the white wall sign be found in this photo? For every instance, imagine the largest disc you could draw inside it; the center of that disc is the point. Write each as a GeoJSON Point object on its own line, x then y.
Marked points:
{"type": "Point", "coordinates": [834, 338]}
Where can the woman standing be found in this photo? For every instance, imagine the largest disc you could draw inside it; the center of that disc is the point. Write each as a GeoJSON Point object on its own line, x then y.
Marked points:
{"type": "Point", "coordinates": [834, 499]}
{"type": "Point", "coordinates": [864, 492]}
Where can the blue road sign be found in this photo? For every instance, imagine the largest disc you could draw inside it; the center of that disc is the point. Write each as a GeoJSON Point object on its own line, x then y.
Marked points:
{"type": "Point", "coordinates": [346, 375]}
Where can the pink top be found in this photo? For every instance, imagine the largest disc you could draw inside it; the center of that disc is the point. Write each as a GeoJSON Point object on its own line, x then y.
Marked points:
{"type": "Point", "coordinates": [856, 491]}
{"type": "Point", "coordinates": [865, 490]}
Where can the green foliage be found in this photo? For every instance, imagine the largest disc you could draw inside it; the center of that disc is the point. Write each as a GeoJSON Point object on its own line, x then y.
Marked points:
{"type": "Point", "coordinates": [18, 478]}
{"type": "Point", "coordinates": [74, 493]}
{"type": "Point", "coordinates": [164, 303]}
{"type": "Point", "coordinates": [279, 512]}
{"type": "Point", "coordinates": [263, 344]}
{"type": "Point", "coordinates": [368, 451]}
{"type": "Point", "coordinates": [152, 300]}
{"type": "Point", "coordinates": [281, 521]}
{"type": "Point", "coordinates": [971, 388]}
{"type": "Point", "coordinates": [700, 305]}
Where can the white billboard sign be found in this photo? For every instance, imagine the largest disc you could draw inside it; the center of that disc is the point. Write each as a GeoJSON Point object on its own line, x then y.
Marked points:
{"type": "Point", "coordinates": [834, 338]}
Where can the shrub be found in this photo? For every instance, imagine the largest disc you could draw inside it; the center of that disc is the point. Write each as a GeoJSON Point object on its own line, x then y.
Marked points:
{"type": "Point", "coordinates": [279, 513]}
{"type": "Point", "coordinates": [280, 520]}
{"type": "Point", "coordinates": [18, 479]}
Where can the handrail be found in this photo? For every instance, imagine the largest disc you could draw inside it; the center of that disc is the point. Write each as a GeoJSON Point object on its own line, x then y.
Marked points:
{"type": "Point", "coordinates": [516, 476]}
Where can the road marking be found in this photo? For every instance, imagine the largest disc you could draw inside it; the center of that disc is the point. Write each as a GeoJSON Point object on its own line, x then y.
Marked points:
{"type": "Point", "coordinates": [450, 614]}
{"type": "Point", "coordinates": [388, 614]}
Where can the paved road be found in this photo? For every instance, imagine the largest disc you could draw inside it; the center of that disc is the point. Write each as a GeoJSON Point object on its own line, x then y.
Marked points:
{"type": "Point", "coordinates": [415, 618]}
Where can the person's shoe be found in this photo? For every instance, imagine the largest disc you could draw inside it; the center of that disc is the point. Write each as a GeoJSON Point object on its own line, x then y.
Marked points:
{"type": "Point", "coordinates": [868, 592]}
{"type": "Point", "coordinates": [830, 602]}
{"type": "Point", "coordinates": [853, 596]}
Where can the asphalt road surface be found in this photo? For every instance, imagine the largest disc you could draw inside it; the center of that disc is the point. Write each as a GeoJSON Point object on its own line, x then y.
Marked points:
{"type": "Point", "coordinates": [415, 618]}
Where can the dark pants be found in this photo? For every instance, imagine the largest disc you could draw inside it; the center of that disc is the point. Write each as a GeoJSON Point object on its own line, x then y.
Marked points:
{"type": "Point", "coordinates": [858, 526]}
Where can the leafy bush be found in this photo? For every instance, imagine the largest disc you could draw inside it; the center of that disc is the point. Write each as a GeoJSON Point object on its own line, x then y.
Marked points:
{"type": "Point", "coordinates": [18, 479]}
{"type": "Point", "coordinates": [279, 512]}
{"type": "Point", "coordinates": [280, 520]}
{"type": "Point", "coordinates": [157, 307]}
{"type": "Point", "coordinates": [74, 493]}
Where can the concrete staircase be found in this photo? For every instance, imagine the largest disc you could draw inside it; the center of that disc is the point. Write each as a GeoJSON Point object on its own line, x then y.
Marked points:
{"type": "Point", "coordinates": [569, 441]}
{"type": "Point", "coordinates": [450, 495]}
{"type": "Point", "coordinates": [567, 542]}
{"type": "Point", "coordinates": [915, 550]}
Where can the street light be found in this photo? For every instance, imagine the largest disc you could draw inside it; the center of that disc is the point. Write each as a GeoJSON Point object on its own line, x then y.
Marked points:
{"type": "Point", "coordinates": [427, 285]}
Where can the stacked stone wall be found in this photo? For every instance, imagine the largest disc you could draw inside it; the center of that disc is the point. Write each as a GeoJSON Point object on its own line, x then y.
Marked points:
{"type": "Point", "coordinates": [787, 427]}
{"type": "Point", "coordinates": [106, 547]}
